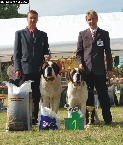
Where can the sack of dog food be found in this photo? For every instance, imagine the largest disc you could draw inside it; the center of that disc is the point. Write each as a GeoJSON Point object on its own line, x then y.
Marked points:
{"type": "Point", "coordinates": [18, 109]}
{"type": "Point", "coordinates": [48, 119]}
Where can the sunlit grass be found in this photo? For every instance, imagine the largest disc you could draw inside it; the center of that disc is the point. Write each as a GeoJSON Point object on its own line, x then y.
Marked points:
{"type": "Point", "coordinates": [96, 135]}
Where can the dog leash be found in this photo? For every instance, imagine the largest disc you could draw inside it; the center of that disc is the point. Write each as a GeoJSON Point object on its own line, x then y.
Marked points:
{"type": "Point", "coordinates": [45, 60]}
{"type": "Point", "coordinates": [94, 91]}
{"type": "Point", "coordinates": [91, 90]}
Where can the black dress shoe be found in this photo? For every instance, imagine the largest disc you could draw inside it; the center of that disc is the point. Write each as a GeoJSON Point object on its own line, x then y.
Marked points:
{"type": "Point", "coordinates": [109, 123]}
{"type": "Point", "coordinates": [34, 121]}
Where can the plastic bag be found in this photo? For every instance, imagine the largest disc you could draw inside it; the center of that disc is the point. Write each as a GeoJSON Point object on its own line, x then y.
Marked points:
{"type": "Point", "coordinates": [48, 119]}
{"type": "Point", "coordinates": [18, 109]}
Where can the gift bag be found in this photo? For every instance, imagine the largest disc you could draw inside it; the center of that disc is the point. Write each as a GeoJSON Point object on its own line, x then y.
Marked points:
{"type": "Point", "coordinates": [18, 109]}
{"type": "Point", "coordinates": [48, 119]}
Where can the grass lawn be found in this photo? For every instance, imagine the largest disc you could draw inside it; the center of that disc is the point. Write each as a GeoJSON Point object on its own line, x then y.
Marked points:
{"type": "Point", "coordinates": [96, 135]}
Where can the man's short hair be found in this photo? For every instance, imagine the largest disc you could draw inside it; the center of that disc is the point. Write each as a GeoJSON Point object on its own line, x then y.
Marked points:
{"type": "Point", "coordinates": [92, 13]}
{"type": "Point", "coordinates": [32, 12]}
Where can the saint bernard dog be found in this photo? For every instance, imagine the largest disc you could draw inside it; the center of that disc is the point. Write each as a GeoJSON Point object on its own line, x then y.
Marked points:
{"type": "Point", "coordinates": [50, 85]}
{"type": "Point", "coordinates": [77, 91]}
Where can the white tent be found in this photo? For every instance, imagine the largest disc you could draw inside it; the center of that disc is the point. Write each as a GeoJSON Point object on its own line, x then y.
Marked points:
{"type": "Point", "coordinates": [63, 31]}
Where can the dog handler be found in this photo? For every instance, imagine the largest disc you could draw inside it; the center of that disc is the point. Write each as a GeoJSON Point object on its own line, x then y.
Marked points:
{"type": "Point", "coordinates": [92, 43]}
{"type": "Point", "coordinates": [30, 49]}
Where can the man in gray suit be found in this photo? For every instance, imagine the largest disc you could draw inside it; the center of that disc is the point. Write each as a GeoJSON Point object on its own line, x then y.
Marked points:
{"type": "Point", "coordinates": [92, 43]}
{"type": "Point", "coordinates": [30, 50]}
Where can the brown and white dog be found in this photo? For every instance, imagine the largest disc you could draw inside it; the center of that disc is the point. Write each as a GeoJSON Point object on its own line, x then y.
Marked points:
{"type": "Point", "coordinates": [50, 85]}
{"type": "Point", "coordinates": [77, 91]}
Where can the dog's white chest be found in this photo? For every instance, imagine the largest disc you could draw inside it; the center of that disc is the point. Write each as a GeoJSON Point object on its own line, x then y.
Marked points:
{"type": "Point", "coordinates": [51, 89]}
{"type": "Point", "coordinates": [77, 94]}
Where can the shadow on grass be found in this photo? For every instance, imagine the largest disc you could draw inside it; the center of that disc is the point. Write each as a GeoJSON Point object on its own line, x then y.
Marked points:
{"type": "Point", "coordinates": [116, 124]}
{"type": "Point", "coordinates": [117, 106]}
{"type": "Point", "coordinates": [62, 109]}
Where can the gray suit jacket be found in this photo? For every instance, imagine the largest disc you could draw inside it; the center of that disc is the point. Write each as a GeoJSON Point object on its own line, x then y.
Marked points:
{"type": "Point", "coordinates": [28, 52]}
{"type": "Point", "coordinates": [90, 53]}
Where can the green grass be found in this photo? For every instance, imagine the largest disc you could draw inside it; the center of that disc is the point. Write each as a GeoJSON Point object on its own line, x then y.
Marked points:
{"type": "Point", "coordinates": [96, 135]}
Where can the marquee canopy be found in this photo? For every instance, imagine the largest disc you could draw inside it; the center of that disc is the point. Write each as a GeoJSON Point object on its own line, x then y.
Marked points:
{"type": "Point", "coordinates": [63, 31]}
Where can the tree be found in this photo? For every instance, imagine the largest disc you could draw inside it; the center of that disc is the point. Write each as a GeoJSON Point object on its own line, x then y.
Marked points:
{"type": "Point", "coordinates": [22, 15]}
{"type": "Point", "coordinates": [9, 11]}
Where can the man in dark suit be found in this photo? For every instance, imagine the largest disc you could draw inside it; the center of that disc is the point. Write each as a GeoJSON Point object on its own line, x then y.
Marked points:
{"type": "Point", "coordinates": [30, 50]}
{"type": "Point", "coordinates": [92, 43]}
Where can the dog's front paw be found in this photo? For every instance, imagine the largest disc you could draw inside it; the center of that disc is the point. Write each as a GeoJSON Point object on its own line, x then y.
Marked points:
{"type": "Point", "coordinates": [66, 105]}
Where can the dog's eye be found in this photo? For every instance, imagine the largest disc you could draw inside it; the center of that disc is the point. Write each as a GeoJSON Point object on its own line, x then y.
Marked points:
{"type": "Point", "coordinates": [74, 71]}
{"type": "Point", "coordinates": [46, 66]}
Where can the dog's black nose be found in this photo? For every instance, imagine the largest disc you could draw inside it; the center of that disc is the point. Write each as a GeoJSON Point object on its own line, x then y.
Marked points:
{"type": "Point", "coordinates": [49, 71]}
{"type": "Point", "coordinates": [78, 82]}
{"type": "Point", "coordinates": [78, 77]}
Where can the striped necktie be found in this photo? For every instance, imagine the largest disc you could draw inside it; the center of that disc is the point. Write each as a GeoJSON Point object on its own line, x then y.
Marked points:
{"type": "Point", "coordinates": [33, 36]}
{"type": "Point", "coordinates": [93, 34]}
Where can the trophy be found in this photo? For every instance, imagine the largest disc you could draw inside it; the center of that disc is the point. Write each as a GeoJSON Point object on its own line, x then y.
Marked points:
{"type": "Point", "coordinates": [90, 109]}
{"type": "Point", "coordinates": [63, 80]}
{"type": "Point", "coordinates": [55, 59]}
{"type": "Point", "coordinates": [62, 62]}
{"type": "Point", "coordinates": [69, 61]}
{"type": "Point", "coordinates": [113, 57]}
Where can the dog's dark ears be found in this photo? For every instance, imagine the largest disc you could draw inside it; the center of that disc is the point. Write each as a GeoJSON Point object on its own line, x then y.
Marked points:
{"type": "Point", "coordinates": [83, 74]}
{"type": "Point", "coordinates": [68, 76]}
{"type": "Point", "coordinates": [56, 67]}
{"type": "Point", "coordinates": [42, 67]}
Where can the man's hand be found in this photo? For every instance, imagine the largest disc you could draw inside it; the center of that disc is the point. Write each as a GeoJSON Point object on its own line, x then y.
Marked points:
{"type": "Point", "coordinates": [110, 74]}
{"type": "Point", "coordinates": [47, 57]}
{"type": "Point", "coordinates": [18, 74]}
{"type": "Point", "coordinates": [81, 67]}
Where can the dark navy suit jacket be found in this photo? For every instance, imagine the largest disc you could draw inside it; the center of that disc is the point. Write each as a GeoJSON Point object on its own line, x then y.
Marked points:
{"type": "Point", "coordinates": [28, 52]}
{"type": "Point", "coordinates": [90, 53]}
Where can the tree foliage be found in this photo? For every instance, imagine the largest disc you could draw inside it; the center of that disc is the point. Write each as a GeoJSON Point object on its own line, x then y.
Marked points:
{"type": "Point", "coordinates": [9, 11]}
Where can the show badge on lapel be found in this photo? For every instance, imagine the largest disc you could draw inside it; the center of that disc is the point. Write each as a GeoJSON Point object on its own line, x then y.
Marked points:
{"type": "Point", "coordinates": [100, 43]}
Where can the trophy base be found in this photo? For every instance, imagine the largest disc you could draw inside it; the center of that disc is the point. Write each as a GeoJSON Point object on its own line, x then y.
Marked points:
{"type": "Point", "coordinates": [88, 126]}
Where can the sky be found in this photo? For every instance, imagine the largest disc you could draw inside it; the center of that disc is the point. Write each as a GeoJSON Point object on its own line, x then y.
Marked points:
{"type": "Point", "coordinates": [71, 7]}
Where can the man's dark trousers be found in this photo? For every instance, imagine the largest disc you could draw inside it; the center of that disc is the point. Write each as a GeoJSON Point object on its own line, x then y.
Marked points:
{"type": "Point", "coordinates": [99, 82]}
{"type": "Point", "coordinates": [35, 90]}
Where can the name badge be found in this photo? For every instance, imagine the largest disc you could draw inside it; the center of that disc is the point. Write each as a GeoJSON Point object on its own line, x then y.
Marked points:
{"type": "Point", "coordinates": [100, 43]}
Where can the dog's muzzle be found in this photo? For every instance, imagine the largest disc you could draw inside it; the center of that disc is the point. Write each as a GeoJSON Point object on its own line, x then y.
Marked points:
{"type": "Point", "coordinates": [49, 78]}
{"type": "Point", "coordinates": [49, 74]}
{"type": "Point", "coordinates": [77, 83]}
